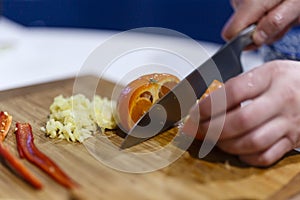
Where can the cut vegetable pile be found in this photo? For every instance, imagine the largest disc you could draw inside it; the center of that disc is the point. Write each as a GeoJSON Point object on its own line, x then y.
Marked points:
{"type": "Point", "coordinates": [76, 118]}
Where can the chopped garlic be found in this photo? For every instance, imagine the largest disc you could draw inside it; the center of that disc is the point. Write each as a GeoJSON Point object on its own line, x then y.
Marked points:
{"type": "Point", "coordinates": [103, 115]}
{"type": "Point", "coordinates": [76, 118]}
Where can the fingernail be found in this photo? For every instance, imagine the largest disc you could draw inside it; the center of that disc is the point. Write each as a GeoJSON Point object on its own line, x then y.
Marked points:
{"type": "Point", "coordinates": [260, 37]}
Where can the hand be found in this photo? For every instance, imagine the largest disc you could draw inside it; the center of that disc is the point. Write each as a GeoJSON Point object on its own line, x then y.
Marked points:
{"type": "Point", "coordinates": [273, 18]}
{"type": "Point", "coordinates": [261, 132]}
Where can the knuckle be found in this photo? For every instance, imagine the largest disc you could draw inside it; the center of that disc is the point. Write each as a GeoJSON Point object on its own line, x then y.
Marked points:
{"type": "Point", "coordinates": [242, 121]}
{"type": "Point", "coordinates": [254, 143]}
{"type": "Point", "coordinates": [275, 22]}
{"type": "Point", "coordinates": [264, 5]}
{"type": "Point", "coordinates": [275, 68]}
{"type": "Point", "coordinates": [289, 95]}
{"type": "Point", "coordinates": [293, 138]}
{"type": "Point", "coordinates": [232, 89]}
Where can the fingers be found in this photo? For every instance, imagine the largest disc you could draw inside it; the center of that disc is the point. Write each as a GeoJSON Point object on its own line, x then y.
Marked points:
{"type": "Point", "coordinates": [241, 88]}
{"type": "Point", "coordinates": [257, 140]}
{"type": "Point", "coordinates": [244, 87]}
{"type": "Point", "coordinates": [277, 22]}
{"type": "Point", "coordinates": [271, 155]}
{"type": "Point", "coordinates": [247, 12]}
{"type": "Point", "coordinates": [245, 119]}
{"type": "Point", "coordinates": [262, 131]}
{"type": "Point", "coordinates": [273, 19]}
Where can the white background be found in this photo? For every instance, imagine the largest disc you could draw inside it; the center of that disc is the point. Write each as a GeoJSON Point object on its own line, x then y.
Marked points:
{"type": "Point", "coordinates": [37, 55]}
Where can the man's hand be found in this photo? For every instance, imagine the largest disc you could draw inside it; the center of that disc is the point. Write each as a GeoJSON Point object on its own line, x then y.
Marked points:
{"type": "Point", "coordinates": [273, 18]}
{"type": "Point", "coordinates": [262, 131]}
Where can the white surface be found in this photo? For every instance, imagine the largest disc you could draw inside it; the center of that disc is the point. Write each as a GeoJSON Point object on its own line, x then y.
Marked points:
{"type": "Point", "coordinates": [36, 55]}
{"type": "Point", "coordinates": [30, 56]}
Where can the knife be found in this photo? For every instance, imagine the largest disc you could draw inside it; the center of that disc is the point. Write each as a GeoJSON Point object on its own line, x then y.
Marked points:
{"type": "Point", "coordinates": [175, 105]}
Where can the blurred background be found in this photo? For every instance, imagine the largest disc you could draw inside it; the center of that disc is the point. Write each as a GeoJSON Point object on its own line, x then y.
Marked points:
{"type": "Point", "coordinates": [199, 19]}
{"type": "Point", "coordinates": [47, 40]}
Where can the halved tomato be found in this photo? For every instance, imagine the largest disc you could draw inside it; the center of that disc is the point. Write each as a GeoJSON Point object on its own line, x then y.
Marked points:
{"type": "Point", "coordinates": [139, 95]}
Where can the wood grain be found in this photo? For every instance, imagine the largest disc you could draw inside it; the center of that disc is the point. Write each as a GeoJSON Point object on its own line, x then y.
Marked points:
{"type": "Point", "coordinates": [217, 176]}
{"type": "Point", "coordinates": [289, 191]}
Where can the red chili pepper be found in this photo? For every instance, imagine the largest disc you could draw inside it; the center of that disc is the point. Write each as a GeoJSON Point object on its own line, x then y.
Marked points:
{"type": "Point", "coordinates": [13, 162]}
{"type": "Point", "coordinates": [28, 150]}
{"type": "Point", "coordinates": [19, 167]}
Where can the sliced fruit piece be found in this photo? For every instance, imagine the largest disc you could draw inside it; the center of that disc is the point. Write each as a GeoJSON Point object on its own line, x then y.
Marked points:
{"type": "Point", "coordinates": [139, 95]}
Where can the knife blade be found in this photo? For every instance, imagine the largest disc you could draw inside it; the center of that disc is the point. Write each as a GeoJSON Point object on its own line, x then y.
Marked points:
{"type": "Point", "coordinates": [171, 108]}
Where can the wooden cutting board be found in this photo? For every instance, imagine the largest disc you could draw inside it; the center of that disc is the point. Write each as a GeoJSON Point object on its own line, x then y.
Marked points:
{"type": "Point", "coordinates": [217, 176]}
